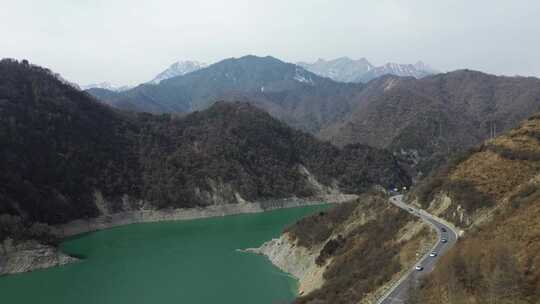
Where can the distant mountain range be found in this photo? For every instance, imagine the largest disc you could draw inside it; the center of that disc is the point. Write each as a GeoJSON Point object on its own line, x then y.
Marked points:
{"type": "Point", "coordinates": [417, 70]}
{"type": "Point", "coordinates": [425, 119]}
{"type": "Point", "coordinates": [345, 69]}
{"type": "Point", "coordinates": [289, 92]}
{"type": "Point", "coordinates": [105, 86]}
{"type": "Point", "coordinates": [178, 68]}
{"type": "Point", "coordinates": [341, 69]}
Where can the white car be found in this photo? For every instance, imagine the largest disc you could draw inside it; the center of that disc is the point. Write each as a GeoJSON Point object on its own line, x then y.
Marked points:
{"type": "Point", "coordinates": [433, 254]}
{"type": "Point", "coordinates": [419, 268]}
{"type": "Point", "coordinates": [444, 240]}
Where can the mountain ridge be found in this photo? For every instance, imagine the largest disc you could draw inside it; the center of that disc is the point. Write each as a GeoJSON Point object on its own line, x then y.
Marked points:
{"type": "Point", "coordinates": [433, 117]}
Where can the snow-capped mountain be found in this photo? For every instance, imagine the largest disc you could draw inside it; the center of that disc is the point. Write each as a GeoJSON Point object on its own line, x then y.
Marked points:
{"type": "Point", "coordinates": [248, 76]}
{"type": "Point", "coordinates": [345, 69]}
{"type": "Point", "coordinates": [107, 86]}
{"type": "Point", "coordinates": [302, 75]}
{"type": "Point", "coordinates": [342, 69]}
{"type": "Point", "coordinates": [417, 70]}
{"type": "Point", "coordinates": [178, 69]}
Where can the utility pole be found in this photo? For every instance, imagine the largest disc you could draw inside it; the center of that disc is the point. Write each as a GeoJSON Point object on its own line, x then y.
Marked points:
{"type": "Point", "coordinates": [492, 129]}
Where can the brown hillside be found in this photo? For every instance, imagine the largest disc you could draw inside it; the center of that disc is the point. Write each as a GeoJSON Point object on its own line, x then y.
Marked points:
{"type": "Point", "coordinates": [497, 261]}
{"type": "Point", "coordinates": [431, 118]}
{"type": "Point", "coordinates": [364, 245]}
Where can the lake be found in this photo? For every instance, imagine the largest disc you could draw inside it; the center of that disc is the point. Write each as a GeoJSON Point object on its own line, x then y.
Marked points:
{"type": "Point", "coordinates": [191, 261]}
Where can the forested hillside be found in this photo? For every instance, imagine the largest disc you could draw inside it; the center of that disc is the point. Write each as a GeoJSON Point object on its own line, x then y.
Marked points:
{"type": "Point", "coordinates": [66, 156]}
{"type": "Point", "coordinates": [434, 117]}
{"type": "Point", "coordinates": [58, 146]}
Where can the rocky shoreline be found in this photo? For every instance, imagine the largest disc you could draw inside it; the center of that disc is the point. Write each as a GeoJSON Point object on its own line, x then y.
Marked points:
{"type": "Point", "coordinates": [32, 255]}
{"type": "Point", "coordinates": [295, 260]}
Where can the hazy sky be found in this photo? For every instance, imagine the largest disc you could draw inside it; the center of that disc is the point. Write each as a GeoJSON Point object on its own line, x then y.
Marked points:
{"type": "Point", "coordinates": [129, 41]}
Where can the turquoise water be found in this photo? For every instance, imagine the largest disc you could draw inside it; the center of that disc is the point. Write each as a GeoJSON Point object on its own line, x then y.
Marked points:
{"type": "Point", "coordinates": [172, 262]}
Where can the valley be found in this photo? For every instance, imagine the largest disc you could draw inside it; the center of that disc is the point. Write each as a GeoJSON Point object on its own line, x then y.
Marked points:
{"type": "Point", "coordinates": [422, 119]}
{"type": "Point", "coordinates": [99, 167]}
{"type": "Point", "coordinates": [262, 179]}
{"type": "Point", "coordinates": [102, 169]}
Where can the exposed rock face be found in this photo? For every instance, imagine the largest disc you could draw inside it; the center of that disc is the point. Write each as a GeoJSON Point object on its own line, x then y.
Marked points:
{"type": "Point", "coordinates": [449, 213]}
{"type": "Point", "coordinates": [157, 215]}
{"type": "Point", "coordinates": [297, 260]}
{"type": "Point", "coordinates": [28, 256]}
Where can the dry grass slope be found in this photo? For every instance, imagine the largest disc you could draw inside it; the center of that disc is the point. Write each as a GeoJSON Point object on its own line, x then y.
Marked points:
{"type": "Point", "coordinates": [497, 261]}
{"type": "Point", "coordinates": [365, 244]}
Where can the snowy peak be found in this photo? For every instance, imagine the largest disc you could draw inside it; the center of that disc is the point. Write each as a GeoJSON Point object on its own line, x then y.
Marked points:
{"type": "Point", "coordinates": [345, 69]}
{"type": "Point", "coordinates": [107, 86]}
{"type": "Point", "coordinates": [179, 68]}
{"type": "Point", "coordinates": [417, 70]}
{"type": "Point", "coordinates": [300, 75]}
{"type": "Point", "coordinates": [420, 65]}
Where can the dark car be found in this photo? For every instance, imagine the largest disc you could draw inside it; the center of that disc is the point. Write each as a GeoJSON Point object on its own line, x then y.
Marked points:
{"type": "Point", "coordinates": [443, 229]}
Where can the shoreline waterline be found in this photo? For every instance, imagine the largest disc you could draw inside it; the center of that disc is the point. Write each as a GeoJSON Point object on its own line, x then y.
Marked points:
{"type": "Point", "coordinates": [83, 226]}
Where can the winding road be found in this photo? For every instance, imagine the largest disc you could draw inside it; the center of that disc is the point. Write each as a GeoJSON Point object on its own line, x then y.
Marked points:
{"type": "Point", "coordinates": [398, 292]}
